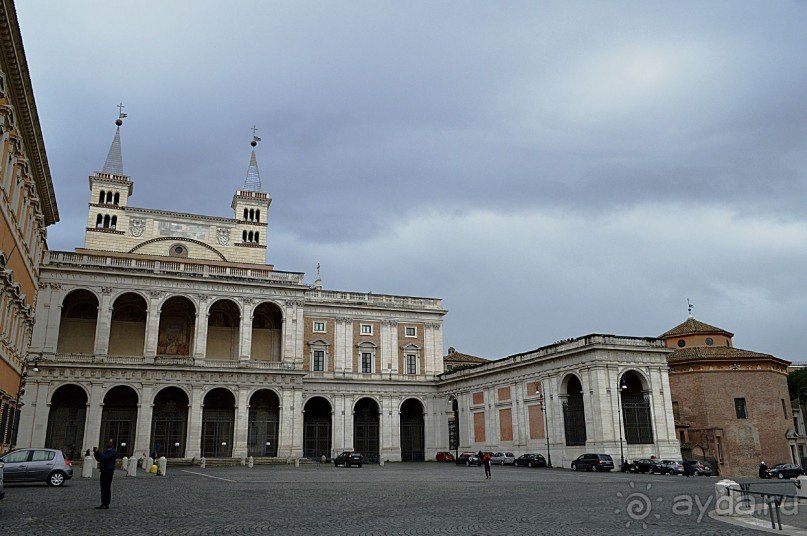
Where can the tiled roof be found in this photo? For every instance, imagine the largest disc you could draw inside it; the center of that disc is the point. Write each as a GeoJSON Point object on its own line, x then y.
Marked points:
{"type": "Point", "coordinates": [692, 326]}
{"type": "Point", "coordinates": [721, 353]}
{"type": "Point", "coordinates": [458, 357]}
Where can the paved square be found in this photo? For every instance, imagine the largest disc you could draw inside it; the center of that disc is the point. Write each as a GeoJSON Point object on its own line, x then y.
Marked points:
{"type": "Point", "coordinates": [406, 499]}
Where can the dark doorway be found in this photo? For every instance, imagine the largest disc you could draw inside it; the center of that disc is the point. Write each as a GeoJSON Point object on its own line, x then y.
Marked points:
{"type": "Point", "coordinates": [635, 411]}
{"type": "Point", "coordinates": [574, 414]}
{"type": "Point", "coordinates": [169, 423]}
{"type": "Point", "coordinates": [317, 428]}
{"type": "Point", "coordinates": [365, 429]}
{"type": "Point", "coordinates": [264, 419]}
{"type": "Point", "coordinates": [68, 409]}
{"type": "Point", "coordinates": [218, 419]}
{"type": "Point", "coordinates": [119, 419]}
{"type": "Point", "coordinates": [412, 431]}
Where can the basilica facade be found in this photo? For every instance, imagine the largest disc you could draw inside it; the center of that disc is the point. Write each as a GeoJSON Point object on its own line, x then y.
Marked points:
{"type": "Point", "coordinates": [169, 332]}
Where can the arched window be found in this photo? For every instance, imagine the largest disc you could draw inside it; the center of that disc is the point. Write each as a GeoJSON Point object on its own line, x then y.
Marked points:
{"type": "Point", "coordinates": [117, 198]}
{"type": "Point", "coordinates": [250, 236]}
{"type": "Point", "coordinates": [246, 214]}
{"type": "Point", "coordinates": [251, 215]}
{"type": "Point", "coordinates": [244, 236]}
{"type": "Point", "coordinates": [101, 196]}
{"type": "Point", "coordinates": [99, 221]}
{"type": "Point", "coordinates": [114, 221]}
{"type": "Point", "coordinates": [106, 221]}
{"type": "Point", "coordinates": [258, 215]}
{"type": "Point", "coordinates": [256, 237]}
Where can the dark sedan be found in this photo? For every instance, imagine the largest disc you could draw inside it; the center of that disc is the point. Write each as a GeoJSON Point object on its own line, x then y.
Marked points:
{"type": "Point", "coordinates": [468, 458]}
{"type": "Point", "coordinates": [785, 470]}
{"type": "Point", "coordinates": [530, 460]}
{"type": "Point", "coordinates": [349, 459]}
{"type": "Point", "coordinates": [645, 465]}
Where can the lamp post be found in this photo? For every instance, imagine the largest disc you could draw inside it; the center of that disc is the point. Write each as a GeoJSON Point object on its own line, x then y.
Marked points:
{"type": "Point", "coordinates": [541, 399]}
{"type": "Point", "coordinates": [620, 386]}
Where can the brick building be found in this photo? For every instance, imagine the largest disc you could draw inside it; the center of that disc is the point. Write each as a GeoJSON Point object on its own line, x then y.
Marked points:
{"type": "Point", "coordinates": [730, 406]}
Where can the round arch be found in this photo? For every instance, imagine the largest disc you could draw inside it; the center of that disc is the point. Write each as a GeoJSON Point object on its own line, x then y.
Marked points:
{"type": "Point", "coordinates": [413, 430]}
{"type": "Point", "coordinates": [218, 423]}
{"type": "Point", "coordinates": [169, 422]}
{"type": "Point", "coordinates": [317, 419]}
{"type": "Point", "coordinates": [66, 418]}
{"type": "Point", "coordinates": [119, 418]}
{"type": "Point", "coordinates": [177, 325]}
{"type": "Point", "coordinates": [267, 332]}
{"type": "Point", "coordinates": [223, 330]}
{"type": "Point", "coordinates": [635, 408]}
{"type": "Point", "coordinates": [127, 330]}
{"type": "Point", "coordinates": [77, 324]}
{"type": "Point", "coordinates": [264, 423]}
{"type": "Point", "coordinates": [574, 410]}
{"type": "Point", "coordinates": [366, 428]}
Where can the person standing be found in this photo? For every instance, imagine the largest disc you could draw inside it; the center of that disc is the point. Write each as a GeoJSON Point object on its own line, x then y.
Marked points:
{"type": "Point", "coordinates": [106, 465]}
{"type": "Point", "coordinates": [486, 461]}
{"type": "Point", "coordinates": [763, 470]}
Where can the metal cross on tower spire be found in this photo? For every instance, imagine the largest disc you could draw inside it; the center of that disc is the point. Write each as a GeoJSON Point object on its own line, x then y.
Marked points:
{"type": "Point", "coordinates": [114, 160]}
{"type": "Point", "coordinates": [253, 180]}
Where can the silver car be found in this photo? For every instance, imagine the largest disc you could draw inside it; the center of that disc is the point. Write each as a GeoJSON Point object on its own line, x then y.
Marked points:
{"type": "Point", "coordinates": [503, 458]}
{"type": "Point", "coordinates": [36, 465]}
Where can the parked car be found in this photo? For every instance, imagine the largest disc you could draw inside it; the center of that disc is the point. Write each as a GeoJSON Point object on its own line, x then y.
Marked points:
{"type": "Point", "coordinates": [785, 470]}
{"type": "Point", "coordinates": [349, 459]}
{"type": "Point", "coordinates": [445, 457]}
{"type": "Point", "coordinates": [702, 468]}
{"type": "Point", "coordinates": [36, 465]}
{"type": "Point", "coordinates": [503, 458]}
{"type": "Point", "coordinates": [593, 462]}
{"type": "Point", "coordinates": [530, 460]}
{"type": "Point", "coordinates": [644, 465]}
{"type": "Point", "coordinates": [468, 458]}
{"type": "Point", "coordinates": [669, 467]}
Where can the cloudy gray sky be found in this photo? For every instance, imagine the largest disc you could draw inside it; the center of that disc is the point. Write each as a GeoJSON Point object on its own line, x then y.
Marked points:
{"type": "Point", "coordinates": [548, 169]}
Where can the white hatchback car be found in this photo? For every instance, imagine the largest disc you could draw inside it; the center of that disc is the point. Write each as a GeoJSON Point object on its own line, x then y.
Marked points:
{"type": "Point", "coordinates": [503, 458]}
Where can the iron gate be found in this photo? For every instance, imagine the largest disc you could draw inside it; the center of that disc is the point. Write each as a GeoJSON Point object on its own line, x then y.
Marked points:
{"type": "Point", "coordinates": [119, 424]}
{"type": "Point", "coordinates": [217, 433]}
{"type": "Point", "coordinates": [574, 421]}
{"type": "Point", "coordinates": [636, 416]}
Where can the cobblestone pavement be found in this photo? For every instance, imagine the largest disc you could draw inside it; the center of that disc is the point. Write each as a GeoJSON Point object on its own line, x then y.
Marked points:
{"type": "Point", "coordinates": [397, 499]}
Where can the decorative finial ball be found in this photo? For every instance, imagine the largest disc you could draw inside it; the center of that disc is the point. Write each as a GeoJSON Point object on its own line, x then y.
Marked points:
{"type": "Point", "coordinates": [253, 143]}
{"type": "Point", "coordinates": [118, 122]}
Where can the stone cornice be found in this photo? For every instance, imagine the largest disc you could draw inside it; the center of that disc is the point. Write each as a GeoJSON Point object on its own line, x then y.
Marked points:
{"type": "Point", "coordinates": [18, 78]}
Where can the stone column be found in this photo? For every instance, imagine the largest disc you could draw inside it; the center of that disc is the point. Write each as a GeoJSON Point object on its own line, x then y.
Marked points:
{"type": "Point", "coordinates": [428, 349]}
{"type": "Point", "coordinates": [193, 443]}
{"type": "Point", "coordinates": [103, 322]}
{"type": "Point", "coordinates": [296, 411]}
{"type": "Point", "coordinates": [245, 331]}
{"type": "Point", "coordinates": [520, 410]}
{"type": "Point", "coordinates": [438, 348]}
{"type": "Point", "coordinates": [92, 424]}
{"type": "Point", "coordinates": [54, 319]}
{"type": "Point", "coordinates": [152, 326]}
{"type": "Point", "coordinates": [145, 411]}
{"type": "Point", "coordinates": [33, 422]}
{"type": "Point", "coordinates": [394, 350]}
{"type": "Point", "coordinates": [43, 311]}
{"type": "Point", "coordinates": [241, 424]}
{"type": "Point", "coordinates": [200, 330]}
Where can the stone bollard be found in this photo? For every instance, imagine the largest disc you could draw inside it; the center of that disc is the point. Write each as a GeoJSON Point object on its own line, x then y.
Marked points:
{"type": "Point", "coordinates": [202, 462]}
{"type": "Point", "coordinates": [731, 503]}
{"type": "Point", "coordinates": [801, 487]}
{"type": "Point", "coordinates": [381, 462]}
{"type": "Point", "coordinates": [162, 464]}
{"type": "Point", "coordinates": [87, 466]}
{"type": "Point", "coordinates": [147, 463]}
{"type": "Point", "coordinates": [131, 470]}
{"type": "Point", "coordinates": [251, 461]}
{"type": "Point", "coordinates": [323, 459]}
{"type": "Point", "coordinates": [296, 462]}
{"type": "Point", "coordinates": [124, 463]}
{"type": "Point", "coordinates": [243, 461]}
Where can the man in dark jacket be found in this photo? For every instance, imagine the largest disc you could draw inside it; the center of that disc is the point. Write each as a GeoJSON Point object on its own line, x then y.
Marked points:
{"type": "Point", "coordinates": [106, 465]}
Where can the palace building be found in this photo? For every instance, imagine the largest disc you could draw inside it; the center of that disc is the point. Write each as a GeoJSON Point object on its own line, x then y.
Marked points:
{"type": "Point", "coordinates": [27, 208]}
{"type": "Point", "coordinates": [169, 332]}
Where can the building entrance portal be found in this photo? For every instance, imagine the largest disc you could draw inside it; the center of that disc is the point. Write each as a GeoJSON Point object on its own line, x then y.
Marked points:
{"type": "Point", "coordinates": [119, 419]}
{"type": "Point", "coordinates": [68, 409]}
{"type": "Point", "coordinates": [317, 428]}
{"type": "Point", "coordinates": [264, 417]}
{"type": "Point", "coordinates": [218, 419]}
{"type": "Point", "coordinates": [574, 414]}
{"type": "Point", "coordinates": [365, 429]}
{"type": "Point", "coordinates": [412, 431]}
{"type": "Point", "coordinates": [169, 423]}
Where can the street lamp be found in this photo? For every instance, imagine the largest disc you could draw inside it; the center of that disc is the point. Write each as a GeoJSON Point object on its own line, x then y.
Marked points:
{"type": "Point", "coordinates": [541, 399]}
{"type": "Point", "coordinates": [620, 386]}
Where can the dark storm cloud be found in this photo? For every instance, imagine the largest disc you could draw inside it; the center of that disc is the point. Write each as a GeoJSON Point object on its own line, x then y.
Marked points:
{"type": "Point", "coordinates": [548, 168]}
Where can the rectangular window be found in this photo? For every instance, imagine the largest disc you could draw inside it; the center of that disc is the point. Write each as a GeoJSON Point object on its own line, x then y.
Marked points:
{"type": "Point", "coordinates": [319, 327]}
{"type": "Point", "coordinates": [739, 407]}
{"type": "Point", "coordinates": [411, 331]}
{"type": "Point", "coordinates": [366, 362]}
{"type": "Point", "coordinates": [784, 408]}
{"type": "Point", "coordinates": [676, 412]}
{"type": "Point", "coordinates": [411, 364]}
{"type": "Point", "coordinates": [366, 329]}
{"type": "Point", "coordinates": [319, 360]}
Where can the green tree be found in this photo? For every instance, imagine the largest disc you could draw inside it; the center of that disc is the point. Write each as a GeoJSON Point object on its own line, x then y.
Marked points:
{"type": "Point", "coordinates": [797, 384]}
